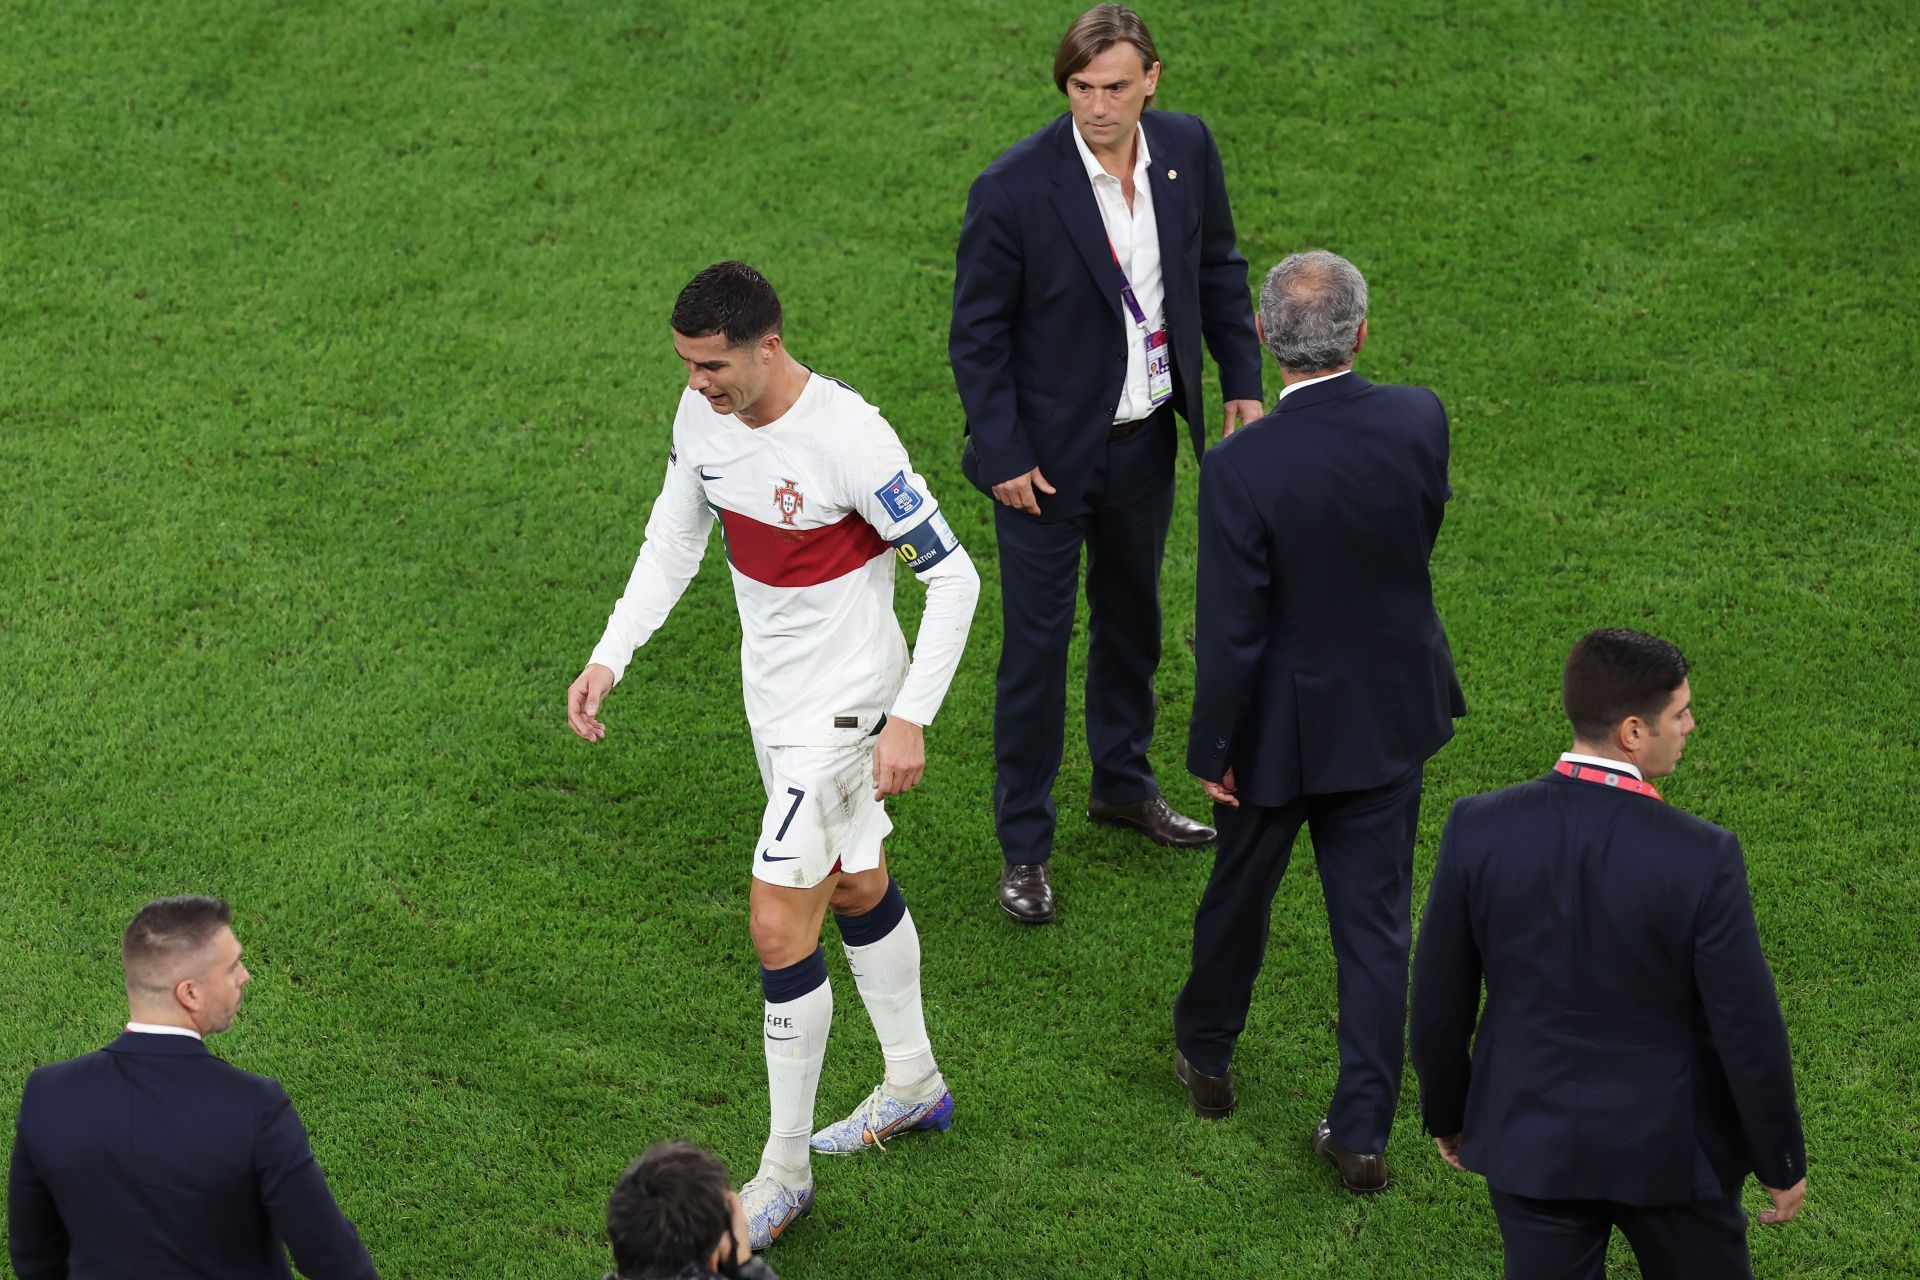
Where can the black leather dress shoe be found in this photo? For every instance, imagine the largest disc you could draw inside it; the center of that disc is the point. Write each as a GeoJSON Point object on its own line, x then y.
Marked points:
{"type": "Point", "coordinates": [1026, 893]}
{"type": "Point", "coordinates": [1360, 1172]}
{"type": "Point", "coordinates": [1155, 819]}
{"type": "Point", "coordinates": [1212, 1096]}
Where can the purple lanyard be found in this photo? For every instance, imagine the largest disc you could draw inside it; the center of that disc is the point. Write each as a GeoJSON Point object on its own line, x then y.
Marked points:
{"type": "Point", "coordinates": [1126, 287]}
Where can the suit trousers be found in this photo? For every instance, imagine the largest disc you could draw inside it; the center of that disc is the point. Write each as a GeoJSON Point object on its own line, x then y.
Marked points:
{"type": "Point", "coordinates": [1567, 1239]}
{"type": "Point", "coordinates": [1121, 521]}
{"type": "Point", "coordinates": [1363, 845]}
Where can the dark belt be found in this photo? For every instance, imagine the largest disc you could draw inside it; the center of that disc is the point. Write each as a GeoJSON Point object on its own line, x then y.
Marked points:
{"type": "Point", "coordinates": [1125, 430]}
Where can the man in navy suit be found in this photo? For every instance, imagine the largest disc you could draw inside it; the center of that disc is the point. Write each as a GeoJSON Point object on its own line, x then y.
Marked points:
{"type": "Point", "coordinates": [1095, 256]}
{"type": "Point", "coordinates": [1322, 682]}
{"type": "Point", "coordinates": [1631, 1066]}
{"type": "Point", "coordinates": [153, 1158]}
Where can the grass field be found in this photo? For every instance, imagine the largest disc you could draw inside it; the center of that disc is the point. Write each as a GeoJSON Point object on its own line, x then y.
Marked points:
{"type": "Point", "coordinates": [334, 388]}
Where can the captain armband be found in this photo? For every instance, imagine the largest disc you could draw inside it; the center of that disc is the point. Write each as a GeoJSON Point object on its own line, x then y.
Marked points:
{"type": "Point", "coordinates": [926, 544]}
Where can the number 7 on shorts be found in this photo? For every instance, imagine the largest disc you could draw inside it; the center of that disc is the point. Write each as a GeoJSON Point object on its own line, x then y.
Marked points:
{"type": "Point", "coordinates": [798, 795]}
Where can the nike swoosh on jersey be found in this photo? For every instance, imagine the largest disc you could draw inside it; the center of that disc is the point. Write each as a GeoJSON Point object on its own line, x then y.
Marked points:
{"type": "Point", "coordinates": [768, 857]}
{"type": "Point", "coordinates": [705, 476]}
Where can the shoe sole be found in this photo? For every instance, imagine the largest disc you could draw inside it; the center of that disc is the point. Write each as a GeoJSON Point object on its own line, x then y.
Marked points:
{"type": "Point", "coordinates": [1127, 824]}
{"type": "Point", "coordinates": [1015, 915]}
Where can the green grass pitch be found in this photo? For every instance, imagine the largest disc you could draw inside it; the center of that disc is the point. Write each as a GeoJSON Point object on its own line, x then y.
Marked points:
{"type": "Point", "coordinates": [334, 388]}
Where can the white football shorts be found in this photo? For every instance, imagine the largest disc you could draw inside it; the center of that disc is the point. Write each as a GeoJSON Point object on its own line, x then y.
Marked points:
{"type": "Point", "coordinates": [821, 814]}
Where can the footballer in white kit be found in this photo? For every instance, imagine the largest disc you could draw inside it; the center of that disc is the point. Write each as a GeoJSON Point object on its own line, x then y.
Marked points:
{"type": "Point", "coordinates": [816, 500]}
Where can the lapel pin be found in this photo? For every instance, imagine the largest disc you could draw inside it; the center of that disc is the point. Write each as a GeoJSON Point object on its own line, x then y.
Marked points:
{"type": "Point", "coordinates": [1172, 174]}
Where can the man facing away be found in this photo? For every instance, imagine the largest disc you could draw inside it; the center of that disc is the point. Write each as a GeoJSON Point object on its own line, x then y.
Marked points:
{"type": "Point", "coordinates": [815, 497]}
{"type": "Point", "coordinates": [1322, 682]}
{"type": "Point", "coordinates": [1095, 256]}
{"type": "Point", "coordinates": [152, 1157]}
{"type": "Point", "coordinates": [674, 1216]}
{"type": "Point", "coordinates": [1630, 1066]}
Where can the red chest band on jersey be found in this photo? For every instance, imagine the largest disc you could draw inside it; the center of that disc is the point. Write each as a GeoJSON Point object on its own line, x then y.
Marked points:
{"type": "Point", "coordinates": [783, 557]}
{"type": "Point", "coordinates": [1606, 778]}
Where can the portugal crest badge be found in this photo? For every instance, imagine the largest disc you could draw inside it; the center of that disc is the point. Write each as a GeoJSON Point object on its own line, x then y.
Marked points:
{"type": "Point", "coordinates": [788, 501]}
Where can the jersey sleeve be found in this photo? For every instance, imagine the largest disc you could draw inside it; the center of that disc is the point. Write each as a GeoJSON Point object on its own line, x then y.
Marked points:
{"type": "Point", "coordinates": [892, 497]}
{"type": "Point", "coordinates": [670, 554]}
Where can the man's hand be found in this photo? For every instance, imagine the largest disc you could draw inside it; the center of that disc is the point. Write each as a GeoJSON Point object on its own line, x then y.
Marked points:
{"type": "Point", "coordinates": [1018, 493]}
{"type": "Point", "coordinates": [1785, 1203]}
{"type": "Point", "coordinates": [899, 758]}
{"type": "Point", "coordinates": [1450, 1152]}
{"type": "Point", "coordinates": [584, 697]}
{"type": "Point", "coordinates": [1221, 792]}
{"type": "Point", "coordinates": [1240, 413]}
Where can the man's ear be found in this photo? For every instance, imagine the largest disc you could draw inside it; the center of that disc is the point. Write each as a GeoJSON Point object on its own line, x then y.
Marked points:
{"type": "Point", "coordinates": [1260, 329]}
{"type": "Point", "coordinates": [1359, 339]}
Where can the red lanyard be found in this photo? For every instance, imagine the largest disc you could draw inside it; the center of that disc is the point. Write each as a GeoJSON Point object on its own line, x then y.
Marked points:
{"type": "Point", "coordinates": [1605, 778]}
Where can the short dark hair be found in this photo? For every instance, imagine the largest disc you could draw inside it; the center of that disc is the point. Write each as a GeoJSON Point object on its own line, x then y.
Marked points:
{"type": "Point", "coordinates": [668, 1209]}
{"type": "Point", "coordinates": [730, 298]}
{"type": "Point", "coordinates": [165, 932]}
{"type": "Point", "coordinates": [1096, 31]}
{"type": "Point", "coordinates": [1614, 673]}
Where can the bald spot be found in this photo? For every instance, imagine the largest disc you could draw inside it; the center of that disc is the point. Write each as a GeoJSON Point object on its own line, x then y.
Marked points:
{"type": "Point", "coordinates": [1308, 283]}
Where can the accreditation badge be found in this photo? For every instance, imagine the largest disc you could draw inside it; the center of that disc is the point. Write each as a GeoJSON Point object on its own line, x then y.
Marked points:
{"type": "Point", "coordinates": [1159, 368]}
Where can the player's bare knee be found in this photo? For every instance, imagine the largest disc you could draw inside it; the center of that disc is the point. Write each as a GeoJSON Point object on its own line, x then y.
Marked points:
{"type": "Point", "coordinates": [775, 940]}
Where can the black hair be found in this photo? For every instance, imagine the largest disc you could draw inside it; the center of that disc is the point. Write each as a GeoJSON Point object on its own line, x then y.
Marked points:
{"type": "Point", "coordinates": [1614, 673]}
{"type": "Point", "coordinates": [164, 931]}
{"type": "Point", "coordinates": [729, 298]}
{"type": "Point", "coordinates": [668, 1209]}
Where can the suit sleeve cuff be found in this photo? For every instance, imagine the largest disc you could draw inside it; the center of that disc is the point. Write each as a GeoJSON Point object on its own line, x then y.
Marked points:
{"type": "Point", "coordinates": [995, 464]}
{"type": "Point", "coordinates": [1207, 757]}
{"type": "Point", "coordinates": [1241, 386]}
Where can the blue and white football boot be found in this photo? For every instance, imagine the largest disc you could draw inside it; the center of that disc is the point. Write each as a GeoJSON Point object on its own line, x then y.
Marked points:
{"type": "Point", "coordinates": [773, 1204]}
{"type": "Point", "coordinates": [884, 1116]}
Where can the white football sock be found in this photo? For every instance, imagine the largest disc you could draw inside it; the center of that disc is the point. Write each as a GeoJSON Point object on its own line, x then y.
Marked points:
{"type": "Point", "coordinates": [796, 1044]}
{"type": "Point", "coordinates": [887, 973]}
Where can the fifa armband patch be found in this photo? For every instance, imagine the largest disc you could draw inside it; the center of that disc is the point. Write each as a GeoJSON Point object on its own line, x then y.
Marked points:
{"type": "Point", "coordinates": [899, 497]}
{"type": "Point", "coordinates": [926, 544]}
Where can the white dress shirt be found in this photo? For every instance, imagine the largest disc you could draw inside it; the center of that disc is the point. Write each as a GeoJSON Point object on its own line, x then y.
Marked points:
{"type": "Point", "coordinates": [1136, 242]}
{"type": "Point", "coordinates": [1292, 387]}
{"type": "Point", "coordinates": [161, 1029]}
{"type": "Point", "coordinates": [1601, 762]}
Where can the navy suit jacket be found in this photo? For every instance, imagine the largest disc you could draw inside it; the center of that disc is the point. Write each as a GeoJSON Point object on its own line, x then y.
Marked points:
{"type": "Point", "coordinates": [153, 1158]}
{"type": "Point", "coordinates": [1040, 337]}
{"type": "Point", "coordinates": [1320, 665]}
{"type": "Point", "coordinates": [1631, 1048]}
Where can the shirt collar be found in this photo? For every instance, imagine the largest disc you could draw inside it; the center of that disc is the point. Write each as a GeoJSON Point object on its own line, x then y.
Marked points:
{"type": "Point", "coordinates": [161, 1029]}
{"type": "Point", "coordinates": [1601, 762]}
{"type": "Point", "coordinates": [1292, 387]}
{"type": "Point", "coordinates": [1141, 158]}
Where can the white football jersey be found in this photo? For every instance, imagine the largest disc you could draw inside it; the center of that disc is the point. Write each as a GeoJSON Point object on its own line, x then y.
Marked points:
{"type": "Point", "coordinates": [813, 508]}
